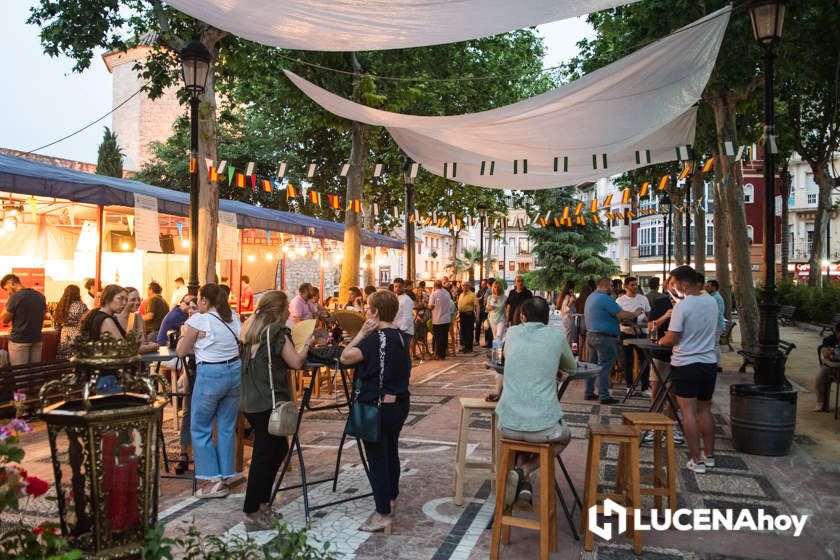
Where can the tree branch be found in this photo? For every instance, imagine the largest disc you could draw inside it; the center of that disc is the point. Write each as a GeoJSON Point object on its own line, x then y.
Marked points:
{"type": "Point", "coordinates": [166, 35]}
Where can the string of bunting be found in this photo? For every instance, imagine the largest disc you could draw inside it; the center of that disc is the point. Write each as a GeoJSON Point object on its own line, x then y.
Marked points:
{"type": "Point", "coordinates": [225, 172]}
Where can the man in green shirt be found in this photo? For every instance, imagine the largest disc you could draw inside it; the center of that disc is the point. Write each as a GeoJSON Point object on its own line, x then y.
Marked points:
{"type": "Point", "coordinates": [528, 409]}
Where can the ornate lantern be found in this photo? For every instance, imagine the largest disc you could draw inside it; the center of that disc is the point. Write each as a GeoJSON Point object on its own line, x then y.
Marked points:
{"type": "Point", "coordinates": [105, 448]}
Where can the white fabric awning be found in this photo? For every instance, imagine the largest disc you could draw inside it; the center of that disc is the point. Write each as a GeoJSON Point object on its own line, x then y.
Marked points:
{"type": "Point", "coordinates": [372, 25]}
{"type": "Point", "coordinates": [594, 126]}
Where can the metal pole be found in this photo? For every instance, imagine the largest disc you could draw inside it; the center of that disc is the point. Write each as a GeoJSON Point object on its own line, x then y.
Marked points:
{"type": "Point", "coordinates": [665, 247]}
{"type": "Point", "coordinates": [769, 364]}
{"type": "Point", "coordinates": [100, 226]}
{"type": "Point", "coordinates": [504, 253]}
{"type": "Point", "coordinates": [409, 231]}
{"type": "Point", "coordinates": [192, 287]}
{"type": "Point", "coordinates": [687, 220]}
{"type": "Point", "coordinates": [481, 247]}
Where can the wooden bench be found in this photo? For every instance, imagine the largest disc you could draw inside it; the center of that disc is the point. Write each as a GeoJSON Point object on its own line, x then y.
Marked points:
{"type": "Point", "coordinates": [786, 314]}
{"type": "Point", "coordinates": [828, 328]}
{"type": "Point", "coordinates": [726, 335]}
{"type": "Point", "coordinates": [785, 346]}
{"type": "Point", "coordinates": [28, 379]}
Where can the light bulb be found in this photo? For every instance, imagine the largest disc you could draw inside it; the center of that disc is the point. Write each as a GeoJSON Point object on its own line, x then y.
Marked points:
{"type": "Point", "coordinates": [300, 251]}
{"type": "Point", "coordinates": [251, 258]}
{"type": "Point", "coordinates": [185, 243]}
{"type": "Point", "coordinates": [269, 256]}
{"type": "Point", "coordinates": [125, 246]}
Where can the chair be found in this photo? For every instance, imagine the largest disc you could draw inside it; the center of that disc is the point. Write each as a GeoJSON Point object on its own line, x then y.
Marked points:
{"type": "Point", "coordinates": [664, 479]}
{"type": "Point", "coordinates": [627, 489]}
{"type": "Point", "coordinates": [503, 518]}
{"type": "Point", "coordinates": [468, 470]}
{"type": "Point", "coordinates": [726, 335]}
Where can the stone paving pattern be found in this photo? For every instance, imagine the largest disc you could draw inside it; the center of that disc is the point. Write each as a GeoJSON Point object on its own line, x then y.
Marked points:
{"type": "Point", "coordinates": [429, 526]}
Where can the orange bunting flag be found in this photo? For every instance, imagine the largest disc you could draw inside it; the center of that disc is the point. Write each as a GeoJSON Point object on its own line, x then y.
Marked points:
{"type": "Point", "coordinates": [568, 222]}
{"type": "Point", "coordinates": [580, 220]}
{"type": "Point", "coordinates": [663, 182]}
{"type": "Point", "coordinates": [266, 185]}
{"type": "Point", "coordinates": [618, 216]}
{"type": "Point", "coordinates": [594, 206]}
{"type": "Point", "coordinates": [625, 196]}
{"type": "Point", "coordinates": [357, 206]}
{"type": "Point", "coordinates": [710, 163]}
{"type": "Point", "coordinates": [595, 219]}
{"type": "Point", "coordinates": [240, 180]}
{"type": "Point", "coordinates": [335, 201]}
{"type": "Point", "coordinates": [557, 222]}
{"type": "Point", "coordinates": [687, 168]}
{"type": "Point", "coordinates": [291, 191]}
{"type": "Point", "coordinates": [315, 198]}
{"type": "Point", "coordinates": [212, 175]}
{"type": "Point", "coordinates": [193, 165]}
{"type": "Point", "coordinates": [565, 213]}
{"type": "Point", "coordinates": [578, 208]}
{"type": "Point", "coordinates": [543, 222]}
{"type": "Point", "coordinates": [630, 214]}
{"type": "Point", "coordinates": [643, 190]}
{"type": "Point", "coordinates": [607, 201]}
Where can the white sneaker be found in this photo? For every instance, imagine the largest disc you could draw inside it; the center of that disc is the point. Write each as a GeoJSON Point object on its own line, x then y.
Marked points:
{"type": "Point", "coordinates": [819, 407]}
{"type": "Point", "coordinates": [698, 468]}
{"type": "Point", "coordinates": [708, 461]}
{"type": "Point", "coordinates": [648, 437]}
{"type": "Point", "coordinates": [679, 438]}
{"type": "Point", "coordinates": [646, 393]}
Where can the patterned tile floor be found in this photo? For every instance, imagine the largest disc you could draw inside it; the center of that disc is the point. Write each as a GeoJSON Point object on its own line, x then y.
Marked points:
{"type": "Point", "coordinates": [429, 526]}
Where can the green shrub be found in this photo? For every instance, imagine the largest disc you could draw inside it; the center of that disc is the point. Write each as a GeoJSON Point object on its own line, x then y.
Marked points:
{"type": "Point", "coordinates": [813, 305]}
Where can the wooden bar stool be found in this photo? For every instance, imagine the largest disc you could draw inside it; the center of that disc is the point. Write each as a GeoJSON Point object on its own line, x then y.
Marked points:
{"type": "Point", "coordinates": [474, 470]}
{"type": "Point", "coordinates": [664, 478]}
{"type": "Point", "coordinates": [503, 518]}
{"type": "Point", "coordinates": [627, 491]}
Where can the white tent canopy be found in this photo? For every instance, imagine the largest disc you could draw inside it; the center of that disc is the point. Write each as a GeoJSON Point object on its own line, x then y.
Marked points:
{"type": "Point", "coordinates": [641, 106]}
{"type": "Point", "coordinates": [371, 25]}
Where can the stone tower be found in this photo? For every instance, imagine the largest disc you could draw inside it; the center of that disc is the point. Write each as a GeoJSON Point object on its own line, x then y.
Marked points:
{"type": "Point", "coordinates": [140, 120]}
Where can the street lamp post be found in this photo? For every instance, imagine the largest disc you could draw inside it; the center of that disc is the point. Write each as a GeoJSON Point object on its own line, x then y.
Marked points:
{"type": "Point", "coordinates": [195, 65]}
{"type": "Point", "coordinates": [482, 213]}
{"type": "Point", "coordinates": [410, 249]}
{"type": "Point", "coordinates": [665, 204]}
{"type": "Point", "coordinates": [767, 18]}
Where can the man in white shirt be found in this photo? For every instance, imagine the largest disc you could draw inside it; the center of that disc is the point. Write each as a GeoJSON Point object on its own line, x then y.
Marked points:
{"type": "Point", "coordinates": [405, 314]}
{"type": "Point", "coordinates": [179, 293]}
{"type": "Point", "coordinates": [632, 301]}
{"type": "Point", "coordinates": [692, 333]}
{"type": "Point", "coordinates": [442, 306]}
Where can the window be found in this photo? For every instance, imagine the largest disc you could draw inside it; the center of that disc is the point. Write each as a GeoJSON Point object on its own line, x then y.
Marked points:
{"type": "Point", "coordinates": [750, 235]}
{"type": "Point", "coordinates": [384, 275]}
{"type": "Point", "coordinates": [810, 238]}
{"type": "Point", "coordinates": [523, 246]}
{"type": "Point", "coordinates": [812, 199]}
{"type": "Point", "coordinates": [749, 192]}
{"type": "Point", "coordinates": [812, 191]}
{"type": "Point", "coordinates": [512, 266]}
{"type": "Point", "coordinates": [710, 240]}
{"type": "Point", "coordinates": [523, 267]}
{"type": "Point", "coordinates": [649, 240]}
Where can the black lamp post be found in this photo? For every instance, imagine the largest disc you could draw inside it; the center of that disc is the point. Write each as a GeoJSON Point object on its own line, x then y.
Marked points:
{"type": "Point", "coordinates": [408, 181]}
{"type": "Point", "coordinates": [195, 66]}
{"type": "Point", "coordinates": [482, 213]}
{"type": "Point", "coordinates": [767, 18]}
{"type": "Point", "coordinates": [665, 204]}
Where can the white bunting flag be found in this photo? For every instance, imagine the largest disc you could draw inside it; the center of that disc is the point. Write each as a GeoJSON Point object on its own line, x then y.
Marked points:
{"type": "Point", "coordinates": [772, 140]}
{"type": "Point", "coordinates": [682, 152]}
{"type": "Point", "coordinates": [222, 167]}
{"type": "Point", "coordinates": [740, 153]}
{"type": "Point", "coordinates": [208, 162]}
{"type": "Point", "coordinates": [311, 171]}
{"type": "Point", "coordinates": [416, 215]}
{"type": "Point", "coordinates": [729, 147]}
{"type": "Point", "coordinates": [414, 168]}
{"type": "Point", "coordinates": [281, 170]}
{"type": "Point", "coordinates": [250, 169]}
{"type": "Point", "coordinates": [345, 169]}
{"type": "Point", "coordinates": [377, 170]}
{"type": "Point", "coordinates": [375, 209]}
{"type": "Point", "coordinates": [396, 212]}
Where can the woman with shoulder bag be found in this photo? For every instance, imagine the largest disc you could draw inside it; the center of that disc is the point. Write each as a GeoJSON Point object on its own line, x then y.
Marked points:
{"type": "Point", "coordinates": [269, 355]}
{"type": "Point", "coordinates": [103, 320]}
{"type": "Point", "coordinates": [381, 357]}
{"type": "Point", "coordinates": [212, 335]}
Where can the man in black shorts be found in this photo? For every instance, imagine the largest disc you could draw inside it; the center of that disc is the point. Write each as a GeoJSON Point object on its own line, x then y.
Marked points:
{"type": "Point", "coordinates": [692, 332]}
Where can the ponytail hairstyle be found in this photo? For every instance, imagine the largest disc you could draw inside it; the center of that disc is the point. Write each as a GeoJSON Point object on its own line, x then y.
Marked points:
{"type": "Point", "coordinates": [272, 308]}
{"type": "Point", "coordinates": [217, 298]}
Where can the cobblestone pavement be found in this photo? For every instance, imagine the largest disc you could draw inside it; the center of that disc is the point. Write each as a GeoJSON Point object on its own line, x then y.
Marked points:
{"type": "Point", "coordinates": [429, 526]}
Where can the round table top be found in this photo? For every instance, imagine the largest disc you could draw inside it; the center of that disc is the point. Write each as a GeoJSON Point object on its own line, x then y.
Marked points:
{"type": "Point", "coordinates": [163, 354]}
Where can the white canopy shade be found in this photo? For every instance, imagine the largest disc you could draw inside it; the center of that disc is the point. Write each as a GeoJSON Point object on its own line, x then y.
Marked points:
{"type": "Point", "coordinates": [594, 126]}
{"type": "Point", "coordinates": [373, 25]}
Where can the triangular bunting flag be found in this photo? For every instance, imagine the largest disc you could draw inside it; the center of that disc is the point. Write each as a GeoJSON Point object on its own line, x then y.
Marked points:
{"type": "Point", "coordinates": [230, 172]}
{"type": "Point", "coordinates": [240, 180]}
{"type": "Point", "coordinates": [593, 207]}
{"type": "Point", "coordinates": [249, 170]}
{"type": "Point", "coordinates": [311, 171]}
{"type": "Point", "coordinates": [266, 185]}
{"type": "Point", "coordinates": [643, 190]}
{"type": "Point", "coordinates": [607, 201]}
{"type": "Point", "coordinates": [253, 182]}
{"type": "Point", "coordinates": [708, 165]}
{"type": "Point", "coordinates": [686, 170]}
{"type": "Point", "coordinates": [625, 196]}
{"type": "Point", "coordinates": [663, 182]}
{"type": "Point", "coordinates": [222, 167]}
{"type": "Point", "coordinates": [291, 191]}
{"type": "Point", "coordinates": [345, 169]}
{"type": "Point", "coordinates": [578, 208]}
{"type": "Point", "coordinates": [193, 165]}
{"type": "Point", "coordinates": [315, 198]}
{"type": "Point", "coordinates": [281, 169]}
{"type": "Point", "coordinates": [377, 170]}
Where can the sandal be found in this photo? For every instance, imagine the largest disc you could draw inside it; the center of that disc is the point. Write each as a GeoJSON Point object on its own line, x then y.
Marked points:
{"type": "Point", "coordinates": [233, 480]}
{"type": "Point", "coordinates": [372, 526]}
{"type": "Point", "coordinates": [218, 490]}
{"type": "Point", "coordinates": [492, 397]}
{"type": "Point", "coordinates": [259, 523]}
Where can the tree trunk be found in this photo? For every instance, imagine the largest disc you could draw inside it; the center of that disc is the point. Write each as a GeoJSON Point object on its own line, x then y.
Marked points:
{"type": "Point", "coordinates": [678, 227]}
{"type": "Point", "coordinates": [818, 249]}
{"type": "Point", "coordinates": [355, 183]}
{"type": "Point", "coordinates": [369, 272]}
{"type": "Point", "coordinates": [208, 193]}
{"type": "Point", "coordinates": [785, 188]}
{"type": "Point", "coordinates": [733, 205]}
{"type": "Point", "coordinates": [722, 247]}
{"type": "Point", "coordinates": [697, 186]}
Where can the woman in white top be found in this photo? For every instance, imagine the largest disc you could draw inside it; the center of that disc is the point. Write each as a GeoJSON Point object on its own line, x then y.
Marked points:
{"type": "Point", "coordinates": [132, 321]}
{"type": "Point", "coordinates": [565, 303]}
{"type": "Point", "coordinates": [212, 335]}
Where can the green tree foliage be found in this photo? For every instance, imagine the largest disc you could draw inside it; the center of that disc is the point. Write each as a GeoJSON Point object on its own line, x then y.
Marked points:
{"type": "Point", "coordinates": [110, 158]}
{"type": "Point", "coordinates": [565, 253]}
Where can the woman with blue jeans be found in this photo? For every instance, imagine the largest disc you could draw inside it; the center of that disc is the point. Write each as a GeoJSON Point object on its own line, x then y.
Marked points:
{"type": "Point", "coordinates": [212, 335]}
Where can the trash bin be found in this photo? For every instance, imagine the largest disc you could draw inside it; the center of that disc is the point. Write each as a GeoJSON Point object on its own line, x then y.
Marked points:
{"type": "Point", "coordinates": [763, 418]}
